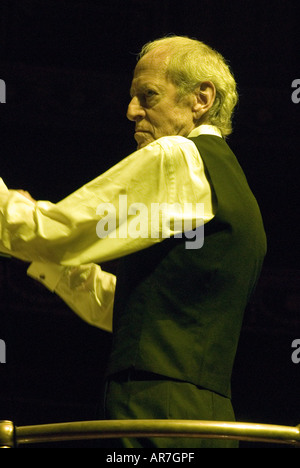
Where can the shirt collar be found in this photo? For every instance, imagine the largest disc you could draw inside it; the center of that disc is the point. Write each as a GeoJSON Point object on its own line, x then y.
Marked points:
{"type": "Point", "coordinates": [205, 130]}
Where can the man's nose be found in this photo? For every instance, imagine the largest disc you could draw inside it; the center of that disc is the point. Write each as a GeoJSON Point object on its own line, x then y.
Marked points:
{"type": "Point", "coordinates": [135, 111]}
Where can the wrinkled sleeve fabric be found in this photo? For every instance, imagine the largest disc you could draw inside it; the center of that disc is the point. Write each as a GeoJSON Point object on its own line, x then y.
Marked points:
{"type": "Point", "coordinates": [167, 171]}
{"type": "Point", "coordinates": [87, 290]}
{"type": "Point", "coordinates": [62, 239]}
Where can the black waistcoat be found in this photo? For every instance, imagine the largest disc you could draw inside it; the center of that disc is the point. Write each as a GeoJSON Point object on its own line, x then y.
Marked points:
{"type": "Point", "coordinates": [178, 312]}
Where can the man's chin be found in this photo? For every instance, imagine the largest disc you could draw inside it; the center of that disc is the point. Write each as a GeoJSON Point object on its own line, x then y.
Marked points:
{"type": "Point", "coordinates": [143, 140]}
{"type": "Point", "coordinates": [143, 144]}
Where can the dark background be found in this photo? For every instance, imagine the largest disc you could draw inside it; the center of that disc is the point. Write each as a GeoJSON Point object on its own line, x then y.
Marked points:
{"type": "Point", "coordinates": [67, 67]}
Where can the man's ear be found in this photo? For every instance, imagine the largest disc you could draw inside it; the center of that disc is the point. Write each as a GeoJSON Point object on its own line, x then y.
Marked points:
{"type": "Point", "coordinates": [205, 95]}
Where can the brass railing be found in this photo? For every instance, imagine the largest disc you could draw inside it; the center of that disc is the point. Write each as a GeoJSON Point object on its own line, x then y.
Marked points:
{"type": "Point", "coordinates": [12, 436]}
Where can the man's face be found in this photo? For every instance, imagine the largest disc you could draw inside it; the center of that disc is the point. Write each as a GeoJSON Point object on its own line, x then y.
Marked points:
{"type": "Point", "coordinates": [155, 107]}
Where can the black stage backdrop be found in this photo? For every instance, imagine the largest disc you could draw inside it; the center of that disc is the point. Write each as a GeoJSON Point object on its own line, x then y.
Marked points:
{"type": "Point", "coordinates": [67, 67]}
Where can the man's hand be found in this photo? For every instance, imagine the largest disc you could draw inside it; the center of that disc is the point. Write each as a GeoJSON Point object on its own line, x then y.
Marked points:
{"type": "Point", "coordinates": [26, 195]}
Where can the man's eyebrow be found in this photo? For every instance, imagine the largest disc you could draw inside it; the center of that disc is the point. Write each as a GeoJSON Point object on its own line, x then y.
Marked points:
{"type": "Point", "coordinates": [141, 87]}
{"type": "Point", "coordinates": [131, 91]}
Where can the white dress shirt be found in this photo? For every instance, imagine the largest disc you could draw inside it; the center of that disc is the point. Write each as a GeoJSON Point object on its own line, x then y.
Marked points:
{"type": "Point", "coordinates": [61, 239]}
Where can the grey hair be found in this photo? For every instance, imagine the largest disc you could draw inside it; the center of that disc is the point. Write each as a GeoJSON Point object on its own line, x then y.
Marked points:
{"type": "Point", "coordinates": [190, 63]}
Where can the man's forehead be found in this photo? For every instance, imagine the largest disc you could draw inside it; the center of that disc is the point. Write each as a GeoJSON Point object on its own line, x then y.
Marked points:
{"type": "Point", "coordinates": [155, 61]}
{"type": "Point", "coordinates": [142, 81]}
{"type": "Point", "coordinates": [148, 71]}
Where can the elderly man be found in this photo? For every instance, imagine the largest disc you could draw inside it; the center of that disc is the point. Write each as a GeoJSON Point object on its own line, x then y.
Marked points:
{"type": "Point", "coordinates": [177, 306]}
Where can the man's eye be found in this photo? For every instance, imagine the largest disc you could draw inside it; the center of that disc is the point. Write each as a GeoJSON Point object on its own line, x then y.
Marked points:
{"type": "Point", "coordinates": [149, 93]}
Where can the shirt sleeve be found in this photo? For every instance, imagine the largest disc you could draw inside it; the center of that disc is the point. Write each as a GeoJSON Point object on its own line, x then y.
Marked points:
{"type": "Point", "coordinates": [87, 290]}
{"type": "Point", "coordinates": [114, 214]}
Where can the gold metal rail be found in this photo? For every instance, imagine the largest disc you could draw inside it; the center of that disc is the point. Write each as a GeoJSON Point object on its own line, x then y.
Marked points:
{"type": "Point", "coordinates": [11, 436]}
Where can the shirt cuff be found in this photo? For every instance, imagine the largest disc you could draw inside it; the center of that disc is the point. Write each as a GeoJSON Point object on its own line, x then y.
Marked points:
{"type": "Point", "coordinates": [49, 274]}
{"type": "Point", "coordinates": [3, 188]}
